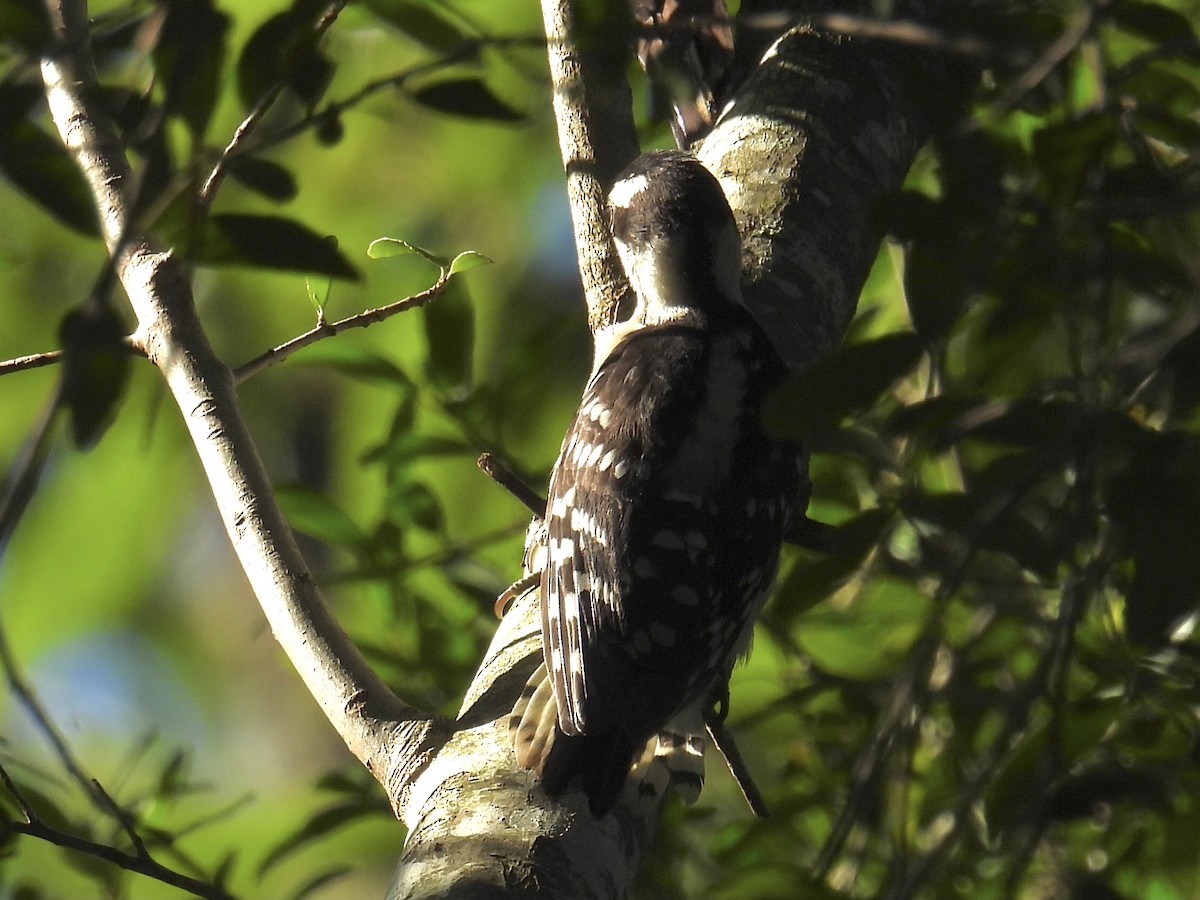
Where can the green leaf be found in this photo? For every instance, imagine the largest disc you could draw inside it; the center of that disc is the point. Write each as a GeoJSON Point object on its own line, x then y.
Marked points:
{"type": "Point", "coordinates": [39, 164]}
{"type": "Point", "coordinates": [1153, 21]}
{"type": "Point", "coordinates": [934, 289]}
{"type": "Point", "coordinates": [816, 577]}
{"type": "Point", "coordinates": [385, 247]}
{"type": "Point", "coordinates": [319, 881]}
{"type": "Point", "coordinates": [95, 369]}
{"type": "Point", "coordinates": [24, 23]}
{"type": "Point", "coordinates": [840, 385]}
{"type": "Point", "coordinates": [468, 97]}
{"type": "Point", "coordinates": [283, 50]}
{"type": "Point", "coordinates": [870, 639]}
{"type": "Point", "coordinates": [271, 242]}
{"type": "Point", "coordinates": [421, 22]}
{"type": "Point", "coordinates": [318, 516]}
{"type": "Point", "coordinates": [189, 60]}
{"type": "Point", "coordinates": [355, 362]}
{"type": "Point", "coordinates": [1155, 501]}
{"type": "Point", "coordinates": [324, 823]}
{"type": "Point", "coordinates": [450, 336]}
{"type": "Point", "coordinates": [971, 516]}
{"type": "Point", "coordinates": [409, 503]}
{"type": "Point", "coordinates": [263, 177]}
{"type": "Point", "coordinates": [466, 261]}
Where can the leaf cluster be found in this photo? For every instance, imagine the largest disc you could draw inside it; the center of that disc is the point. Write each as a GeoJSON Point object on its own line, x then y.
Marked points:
{"type": "Point", "coordinates": [987, 685]}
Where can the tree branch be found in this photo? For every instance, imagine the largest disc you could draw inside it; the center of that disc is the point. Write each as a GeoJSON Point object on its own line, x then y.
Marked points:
{"type": "Point", "coordinates": [32, 361]}
{"type": "Point", "coordinates": [329, 329]}
{"type": "Point", "coordinates": [241, 134]}
{"type": "Point", "coordinates": [391, 738]}
{"type": "Point", "coordinates": [596, 137]}
{"type": "Point", "coordinates": [140, 861]}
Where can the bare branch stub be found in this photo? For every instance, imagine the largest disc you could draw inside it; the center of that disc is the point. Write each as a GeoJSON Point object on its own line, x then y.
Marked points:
{"type": "Point", "coordinates": [503, 475]}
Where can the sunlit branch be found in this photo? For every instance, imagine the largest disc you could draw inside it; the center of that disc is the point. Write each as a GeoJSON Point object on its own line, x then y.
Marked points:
{"type": "Point", "coordinates": [32, 361]}
{"type": "Point", "coordinates": [391, 738]}
{"type": "Point", "coordinates": [596, 137]}
{"type": "Point", "coordinates": [329, 329]}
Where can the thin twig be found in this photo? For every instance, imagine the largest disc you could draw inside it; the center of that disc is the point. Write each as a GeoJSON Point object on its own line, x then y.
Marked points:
{"type": "Point", "coordinates": [140, 862]}
{"type": "Point", "coordinates": [239, 145]}
{"type": "Point", "coordinates": [329, 329]}
{"type": "Point", "coordinates": [50, 358]}
{"type": "Point", "coordinates": [208, 192]}
{"type": "Point", "coordinates": [33, 361]}
{"type": "Point", "coordinates": [123, 817]}
{"type": "Point", "coordinates": [723, 740]}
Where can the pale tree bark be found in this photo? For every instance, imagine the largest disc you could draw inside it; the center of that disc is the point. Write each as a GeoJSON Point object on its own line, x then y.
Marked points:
{"type": "Point", "coordinates": [387, 735]}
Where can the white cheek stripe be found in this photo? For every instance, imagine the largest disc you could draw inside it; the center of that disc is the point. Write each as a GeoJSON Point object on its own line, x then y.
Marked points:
{"type": "Point", "coordinates": [626, 189]}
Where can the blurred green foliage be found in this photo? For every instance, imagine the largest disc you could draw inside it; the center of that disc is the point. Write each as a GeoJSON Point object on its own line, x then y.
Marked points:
{"type": "Point", "coordinates": [986, 686]}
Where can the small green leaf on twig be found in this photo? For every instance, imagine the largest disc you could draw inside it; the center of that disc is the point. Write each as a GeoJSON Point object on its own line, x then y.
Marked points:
{"type": "Point", "coordinates": [467, 260]}
{"type": "Point", "coordinates": [382, 248]}
{"type": "Point", "coordinates": [318, 301]}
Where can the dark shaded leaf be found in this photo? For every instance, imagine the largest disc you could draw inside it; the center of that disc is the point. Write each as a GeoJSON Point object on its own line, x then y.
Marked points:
{"type": "Point", "coordinates": [421, 22]}
{"type": "Point", "coordinates": [934, 289]}
{"type": "Point", "coordinates": [318, 516]}
{"type": "Point", "coordinates": [172, 781]}
{"type": "Point", "coordinates": [271, 242]}
{"type": "Point", "coordinates": [971, 517]}
{"type": "Point", "coordinates": [450, 336]}
{"type": "Point", "coordinates": [189, 60]}
{"type": "Point", "coordinates": [411, 446]}
{"type": "Point", "coordinates": [24, 23]}
{"type": "Point", "coordinates": [909, 216]}
{"type": "Point", "coordinates": [1155, 499]}
{"type": "Point", "coordinates": [409, 503]}
{"type": "Point", "coordinates": [468, 97]}
{"type": "Point", "coordinates": [1065, 151]}
{"type": "Point", "coordinates": [816, 577]}
{"type": "Point", "coordinates": [39, 164]}
{"type": "Point", "coordinates": [330, 129]}
{"type": "Point", "coordinates": [283, 51]}
{"type": "Point", "coordinates": [842, 384]}
{"type": "Point", "coordinates": [939, 420]}
{"type": "Point", "coordinates": [1010, 799]}
{"type": "Point", "coordinates": [1141, 191]}
{"type": "Point", "coordinates": [355, 362]}
{"type": "Point", "coordinates": [1027, 423]}
{"type": "Point", "coordinates": [323, 824]}
{"type": "Point", "coordinates": [1080, 796]}
{"type": "Point", "coordinates": [95, 370]}
{"type": "Point", "coordinates": [1183, 365]}
{"type": "Point", "coordinates": [264, 177]}
{"type": "Point", "coordinates": [319, 881]}
{"type": "Point", "coordinates": [1152, 21]}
